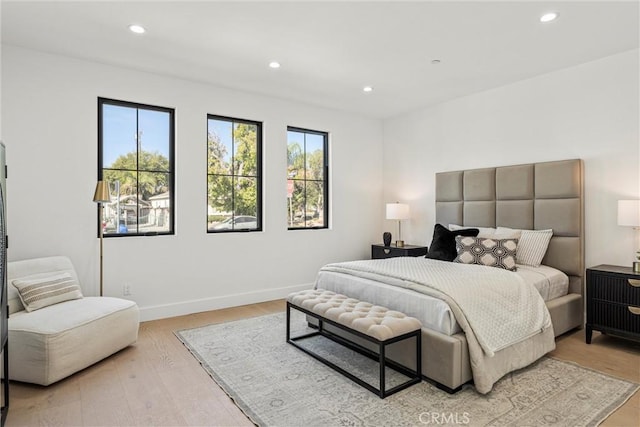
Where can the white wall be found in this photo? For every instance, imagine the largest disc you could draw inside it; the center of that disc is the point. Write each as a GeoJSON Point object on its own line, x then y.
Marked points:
{"type": "Point", "coordinates": [50, 128]}
{"type": "Point", "coordinates": [0, 70]}
{"type": "Point", "coordinates": [49, 117]}
{"type": "Point", "coordinates": [588, 111]}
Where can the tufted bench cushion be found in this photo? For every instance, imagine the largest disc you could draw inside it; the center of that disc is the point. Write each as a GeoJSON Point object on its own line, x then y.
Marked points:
{"type": "Point", "coordinates": [372, 320]}
{"type": "Point", "coordinates": [377, 325]}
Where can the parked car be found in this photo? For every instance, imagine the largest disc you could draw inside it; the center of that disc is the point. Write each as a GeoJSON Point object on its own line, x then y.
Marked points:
{"type": "Point", "coordinates": [242, 222]}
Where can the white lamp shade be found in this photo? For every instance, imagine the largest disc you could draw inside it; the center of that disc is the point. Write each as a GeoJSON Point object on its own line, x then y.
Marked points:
{"type": "Point", "coordinates": [629, 213]}
{"type": "Point", "coordinates": [397, 211]}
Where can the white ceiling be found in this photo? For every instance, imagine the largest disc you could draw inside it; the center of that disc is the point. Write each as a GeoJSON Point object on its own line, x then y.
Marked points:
{"type": "Point", "coordinates": [330, 50]}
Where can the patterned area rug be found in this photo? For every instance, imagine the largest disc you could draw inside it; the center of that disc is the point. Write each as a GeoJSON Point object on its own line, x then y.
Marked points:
{"type": "Point", "coordinates": [276, 384]}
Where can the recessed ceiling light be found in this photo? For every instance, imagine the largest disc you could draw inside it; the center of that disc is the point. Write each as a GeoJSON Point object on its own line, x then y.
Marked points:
{"type": "Point", "coordinates": [138, 29]}
{"type": "Point", "coordinates": [548, 17]}
{"type": "Point", "coordinates": [367, 89]}
{"type": "Point", "coordinates": [274, 64]}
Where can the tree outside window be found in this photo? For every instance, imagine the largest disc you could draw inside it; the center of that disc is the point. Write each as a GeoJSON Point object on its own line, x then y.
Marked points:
{"type": "Point", "coordinates": [234, 184]}
{"type": "Point", "coordinates": [307, 179]}
{"type": "Point", "coordinates": [135, 150]}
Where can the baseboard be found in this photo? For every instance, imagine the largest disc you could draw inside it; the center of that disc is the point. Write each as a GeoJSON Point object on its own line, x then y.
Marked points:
{"type": "Point", "coordinates": [181, 308]}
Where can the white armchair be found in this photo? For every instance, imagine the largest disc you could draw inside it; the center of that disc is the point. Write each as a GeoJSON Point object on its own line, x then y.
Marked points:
{"type": "Point", "coordinates": [53, 342]}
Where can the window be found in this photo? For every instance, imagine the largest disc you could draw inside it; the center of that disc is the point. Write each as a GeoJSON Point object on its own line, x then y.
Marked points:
{"type": "Point", "coordinates": [307, 173]}
{"type": "Point", "coordinates": [135, 157]}
{"type": "Point", "coordinates": [234, 170]}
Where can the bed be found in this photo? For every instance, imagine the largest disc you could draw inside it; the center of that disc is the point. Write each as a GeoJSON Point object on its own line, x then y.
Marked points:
{"type": "Point", "coordinates": [535, 196]}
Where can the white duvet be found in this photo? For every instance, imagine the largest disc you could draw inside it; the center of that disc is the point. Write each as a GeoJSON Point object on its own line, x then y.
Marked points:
{"type": "Point", "coordinates": [495, 308]}
{"type": "Point", "coordinates": [434, 313]}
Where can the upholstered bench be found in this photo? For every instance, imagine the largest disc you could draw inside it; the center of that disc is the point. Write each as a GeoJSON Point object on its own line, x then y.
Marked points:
{"type": "Point", "coordinates": [372, 323]}
{"type": "Point", "coordinates": [50, 342]}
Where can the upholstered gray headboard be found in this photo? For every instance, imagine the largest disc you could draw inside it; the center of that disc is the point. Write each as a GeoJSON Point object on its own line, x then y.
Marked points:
{"type": "Point", "coordinates": [533, 196]}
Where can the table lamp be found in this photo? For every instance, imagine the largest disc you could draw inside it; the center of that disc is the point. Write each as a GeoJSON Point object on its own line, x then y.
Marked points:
{"type": "Point", "coordinates": [398, 211]}
{"type": "Point", "coordinates": [629, 216]}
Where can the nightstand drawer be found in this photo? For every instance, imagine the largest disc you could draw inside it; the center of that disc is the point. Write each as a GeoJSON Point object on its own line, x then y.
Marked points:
{"type": "Point", "coordinates": [381, 251]}
{"type": "Point", "coordinates": [613, 301]}
{"type": "Point", "coordinates": [614, 288]}
{"type": "Point", "coordinates": [616, 316]}
{"type": "Point", "coordinates": [378, 252]}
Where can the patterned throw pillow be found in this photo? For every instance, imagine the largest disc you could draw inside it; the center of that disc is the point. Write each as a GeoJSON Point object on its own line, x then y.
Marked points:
{"type": "Point", "coordinates": [500, 253]}
{"type": "Point", "coordinates": [40, 292]}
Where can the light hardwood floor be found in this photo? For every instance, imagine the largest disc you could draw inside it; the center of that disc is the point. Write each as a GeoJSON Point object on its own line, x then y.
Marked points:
{"type": "Point", "coordinates": [157, 382]}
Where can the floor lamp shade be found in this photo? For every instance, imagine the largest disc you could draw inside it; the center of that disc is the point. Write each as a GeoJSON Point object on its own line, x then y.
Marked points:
{"type": "Point", "coordinates": [101, 194]}
{"type": "Point", "coordinates": [398, 211]}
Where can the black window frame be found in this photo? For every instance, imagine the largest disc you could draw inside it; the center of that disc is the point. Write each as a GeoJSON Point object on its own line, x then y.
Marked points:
{"type": "Point", "coordinates": [258, 176]}
{"type": "Point", "coordinates": [325, 146]}
{"type": "Point", "coordinates": [172, 177]}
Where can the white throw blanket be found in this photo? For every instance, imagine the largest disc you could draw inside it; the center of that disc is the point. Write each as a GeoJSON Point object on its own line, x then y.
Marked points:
{"type": "Point", "coordinates": [495, 308]}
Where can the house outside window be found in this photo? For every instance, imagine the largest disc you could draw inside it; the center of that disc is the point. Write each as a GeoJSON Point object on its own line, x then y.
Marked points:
{"type": "Point", "coordinates": [136, 158]}
{"type": "Point", "coordinates": [307, 179]}
{"type": "Point", "coordinates": [234, 175]}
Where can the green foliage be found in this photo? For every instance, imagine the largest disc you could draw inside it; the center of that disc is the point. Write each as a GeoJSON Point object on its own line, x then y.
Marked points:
{"type": "Point", "coordinates": [216, 218]}
{"type": "Point", "coordinates": [148, 182]}
{"type": "Point", "coordinates": [236, 177]}
{"type": "Point", "coordinates": [308, 175]}
{"type": "Point", "coordinates": [295, 160]}
{"type": "Point", "coordinates": [295, 171]}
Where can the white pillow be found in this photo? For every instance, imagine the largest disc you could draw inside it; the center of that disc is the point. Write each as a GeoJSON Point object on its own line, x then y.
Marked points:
{"type": "Point", "coordinates": [40, 292]}
{"type": "Point", "coordinates": [485, 232]}
{"type": "Point", "coordinates": [532, 245]}
{"type": "Point", "coordinates": [507, 233]}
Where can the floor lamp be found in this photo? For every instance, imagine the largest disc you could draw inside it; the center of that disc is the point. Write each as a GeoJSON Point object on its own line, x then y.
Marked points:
{"type": "Point", "coordinates": [101, 196]}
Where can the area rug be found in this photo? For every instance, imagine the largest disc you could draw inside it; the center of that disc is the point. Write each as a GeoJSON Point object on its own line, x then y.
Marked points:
{"type": "Point", "coordinates": [275, 384]}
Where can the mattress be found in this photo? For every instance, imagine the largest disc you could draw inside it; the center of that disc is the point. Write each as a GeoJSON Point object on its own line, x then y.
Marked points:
{"type": "Point", "coordinates": [432, 312]}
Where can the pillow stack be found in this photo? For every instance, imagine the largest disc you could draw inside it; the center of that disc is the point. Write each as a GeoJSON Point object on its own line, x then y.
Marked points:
{"type": "Point", "coordinates": [500, 247]}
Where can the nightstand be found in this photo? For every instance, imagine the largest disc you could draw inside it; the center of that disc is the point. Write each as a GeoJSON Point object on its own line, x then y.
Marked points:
{"type": "Point", "coordinates": [613, 301]}
{"type": "Point", "coordinates": [382, 251]}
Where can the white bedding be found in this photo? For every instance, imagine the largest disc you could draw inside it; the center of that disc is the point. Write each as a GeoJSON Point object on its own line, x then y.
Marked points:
{"type": "Point", "coordinates": [505, 321]}
{"type": "Point", "coordinates": [550, 282]}
{"type": "Point", "coordinates": [434, 313]}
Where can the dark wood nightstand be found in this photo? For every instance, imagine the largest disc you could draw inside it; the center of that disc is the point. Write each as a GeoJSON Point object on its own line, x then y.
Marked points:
{"type": "Point", "coordinates": [382, 251]}
{"type": "Point", "coordinates": [613, 301]}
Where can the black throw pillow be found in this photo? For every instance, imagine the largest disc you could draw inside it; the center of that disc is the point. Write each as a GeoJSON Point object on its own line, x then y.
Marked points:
{"type": "Point", "coordinates": [443, 245]}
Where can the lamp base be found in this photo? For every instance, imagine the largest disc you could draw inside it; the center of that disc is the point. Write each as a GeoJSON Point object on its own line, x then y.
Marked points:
{"type": "Point", "coordinates": [636, 266]}
{"type": "Point", "coordinates": [399, 243]}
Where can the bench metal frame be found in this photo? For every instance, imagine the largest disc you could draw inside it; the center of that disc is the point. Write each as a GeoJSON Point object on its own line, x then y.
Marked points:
{"type": "Point", "coordinates": [414, 375]}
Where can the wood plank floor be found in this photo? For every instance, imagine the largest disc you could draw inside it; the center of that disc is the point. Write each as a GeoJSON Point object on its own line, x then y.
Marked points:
{"type": "Point", "coordinates": [157, 382]}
